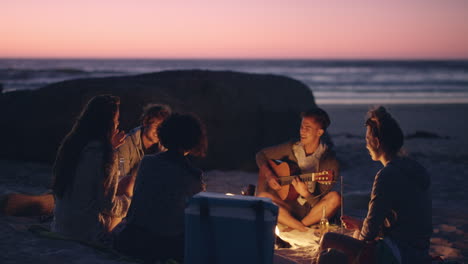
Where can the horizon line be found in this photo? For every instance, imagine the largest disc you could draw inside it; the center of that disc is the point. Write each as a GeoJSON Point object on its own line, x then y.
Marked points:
{"type": "Point", "coordinates": [242, 58]}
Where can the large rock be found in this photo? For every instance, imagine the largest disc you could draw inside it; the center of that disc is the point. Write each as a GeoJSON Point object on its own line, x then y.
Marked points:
{"type": "Point", "coordinates": [242, 112]}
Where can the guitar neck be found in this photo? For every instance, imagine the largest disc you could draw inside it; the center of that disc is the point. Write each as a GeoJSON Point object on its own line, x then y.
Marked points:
{"type": "Point", "coordinates": [306, 177]}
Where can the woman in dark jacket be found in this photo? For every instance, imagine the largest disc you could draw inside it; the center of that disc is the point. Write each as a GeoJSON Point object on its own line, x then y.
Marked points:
{"type": "Point", "coordinates": [399, 219]}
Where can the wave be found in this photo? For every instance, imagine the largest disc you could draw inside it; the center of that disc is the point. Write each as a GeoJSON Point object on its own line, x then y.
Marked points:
{"type": "Point", "coordinates": [390, 83]}
{"type": "Point", "coordinates": [397, 64]}
{"type": "Point", "coordinates": [24, 74]}
{"type": "Point", "coordinates": [390, 98]}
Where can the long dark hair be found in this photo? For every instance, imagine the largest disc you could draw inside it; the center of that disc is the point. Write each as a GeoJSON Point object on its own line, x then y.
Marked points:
{"type": "Point", "coordinates": [95, 123]}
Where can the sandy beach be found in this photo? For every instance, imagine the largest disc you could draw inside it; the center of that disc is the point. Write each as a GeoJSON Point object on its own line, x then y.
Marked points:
{"type": "Point", "coordinates": [436, 138]}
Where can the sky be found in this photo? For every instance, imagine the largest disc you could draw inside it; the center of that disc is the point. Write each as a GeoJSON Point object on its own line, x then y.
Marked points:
{"type": "Point", "coordinates": [277, 29]}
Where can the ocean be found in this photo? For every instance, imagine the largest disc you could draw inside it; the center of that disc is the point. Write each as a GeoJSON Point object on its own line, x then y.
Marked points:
{"type": "Point", "coordinates": [332, 81]}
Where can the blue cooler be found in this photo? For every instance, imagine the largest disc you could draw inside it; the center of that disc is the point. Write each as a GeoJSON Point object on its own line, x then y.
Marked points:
{"type": "Point", "coordinates": [229, 229]}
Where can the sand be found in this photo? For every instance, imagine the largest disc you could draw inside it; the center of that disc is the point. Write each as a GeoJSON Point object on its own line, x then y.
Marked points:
{"type": "Point", "coordinates": [445, 157]}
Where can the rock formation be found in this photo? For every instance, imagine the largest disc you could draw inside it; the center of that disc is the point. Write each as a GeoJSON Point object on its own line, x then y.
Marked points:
{"type": "Point", "coordinates": [242, 112]}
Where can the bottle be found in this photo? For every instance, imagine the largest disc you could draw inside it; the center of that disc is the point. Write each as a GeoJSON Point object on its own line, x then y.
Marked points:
{"type": "Point", "coordinates": [324, 225]}
{"type": "Point", "coordinates": [121, 168]}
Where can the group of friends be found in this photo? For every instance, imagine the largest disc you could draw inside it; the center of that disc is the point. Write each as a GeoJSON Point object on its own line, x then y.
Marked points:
{"type": "Point", "coordinates": [93, 194]}
{"type": "Point", "coordinates": [139, 210]}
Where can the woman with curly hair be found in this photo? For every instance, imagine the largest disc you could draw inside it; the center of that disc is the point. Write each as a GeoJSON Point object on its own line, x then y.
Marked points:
{"type": "Point", "coordinates": [154, 228]}
{"type": "Point", "coordinates": [398, 225]}
{"type": "Point", "coordinates": [86, 174]}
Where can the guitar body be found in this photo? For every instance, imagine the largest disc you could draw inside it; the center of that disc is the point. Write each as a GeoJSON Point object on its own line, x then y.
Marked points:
{"type": "Point", "coordinates": [287, 192]}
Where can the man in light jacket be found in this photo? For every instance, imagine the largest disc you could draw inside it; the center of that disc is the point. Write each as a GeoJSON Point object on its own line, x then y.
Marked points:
{"type": "Point", "coordinates": [310, 154]}
{"type": "Point", "coordinates": [143, 140]}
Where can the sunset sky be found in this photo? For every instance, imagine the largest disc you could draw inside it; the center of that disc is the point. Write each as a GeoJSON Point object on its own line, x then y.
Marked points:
{"type": "Point", "coordinates": [348, 29]}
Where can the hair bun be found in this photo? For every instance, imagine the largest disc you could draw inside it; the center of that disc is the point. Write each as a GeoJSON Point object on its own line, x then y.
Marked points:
{"type": "Point", "coordinates": [378, 115]}
{"type": "Point", "coordinates": [380, 112]}
{"type": "Point", "coordinates": [385, 128]}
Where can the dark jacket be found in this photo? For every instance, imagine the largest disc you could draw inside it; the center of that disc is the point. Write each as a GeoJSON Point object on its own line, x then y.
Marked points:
{"type": "Point", "coordinates": [154, 228]}
{"type": "Point", "coordinates": [401, 206]}
{"type": "Point", "coordinates": [164, 184]}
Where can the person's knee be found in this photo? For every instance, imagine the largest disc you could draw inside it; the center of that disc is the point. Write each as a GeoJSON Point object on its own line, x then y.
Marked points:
{"type": "Point", "coordinates": [334, 198]}
{"type": "Point", "coordinates": [331, 256]}
{"type": "Point", "coordinates": [328, 239]}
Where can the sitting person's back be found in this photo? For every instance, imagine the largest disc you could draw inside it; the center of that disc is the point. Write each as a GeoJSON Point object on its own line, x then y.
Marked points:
{"type": "Point", "coordinates": [154, 227]}
{"type": "Point", "coordinates": [168, 180]}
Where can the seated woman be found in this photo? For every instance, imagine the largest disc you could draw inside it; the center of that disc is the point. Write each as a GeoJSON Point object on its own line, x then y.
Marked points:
{"type": "Point", "coordinates": [400, 209]}
{"type": "Point", "coordinates": [154, 228]}
{"type": "Point", "coordinates": [86, 174]}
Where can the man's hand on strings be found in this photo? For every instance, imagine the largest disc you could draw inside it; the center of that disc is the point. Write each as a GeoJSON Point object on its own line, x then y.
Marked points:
{"type": "Point", "coordinates": [301, 187]}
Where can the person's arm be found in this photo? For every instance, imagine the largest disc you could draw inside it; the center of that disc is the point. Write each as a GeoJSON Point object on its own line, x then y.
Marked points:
{"type": "Point", "coordinates": [379, 205]}
{"type": "Point", "coordinates": [118, 138]}
{"type": "Point", "coordinates": [352, 224]}
{"type": "Point", "coordinates": [279, 152]}
{"type": "Point", "coordinates": [114, 205]}
{"type": "Point", "coordinates": [126, 185]}
{"type": "Point", "coordinates": [266, 174]}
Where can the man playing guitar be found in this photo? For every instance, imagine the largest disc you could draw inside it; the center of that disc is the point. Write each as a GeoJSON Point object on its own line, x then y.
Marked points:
{"type": "Point", "coordinates": [310, 154]}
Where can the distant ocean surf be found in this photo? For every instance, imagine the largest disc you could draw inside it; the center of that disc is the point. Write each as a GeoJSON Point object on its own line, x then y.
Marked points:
{"type": "Point", "coordinates": [332, 81]}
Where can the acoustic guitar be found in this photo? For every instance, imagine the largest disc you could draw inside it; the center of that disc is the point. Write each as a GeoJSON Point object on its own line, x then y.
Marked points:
{"type": "Point", "coordinates": [287, 191]}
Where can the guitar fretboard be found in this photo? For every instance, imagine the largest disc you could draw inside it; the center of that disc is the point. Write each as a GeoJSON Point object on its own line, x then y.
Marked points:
{"type": "Point", "coordinates": [317, 176]}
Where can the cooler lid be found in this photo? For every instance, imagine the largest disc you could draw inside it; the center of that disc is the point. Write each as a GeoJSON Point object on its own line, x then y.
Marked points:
{"type": "Point", "coordinates": [234, 201]}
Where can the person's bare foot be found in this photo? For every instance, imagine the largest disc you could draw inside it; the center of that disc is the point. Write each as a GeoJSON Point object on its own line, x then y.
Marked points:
{"type": "Point", "coordinates": [289, 229]}
{"type": "Point", "coordinates": [302, 229]}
